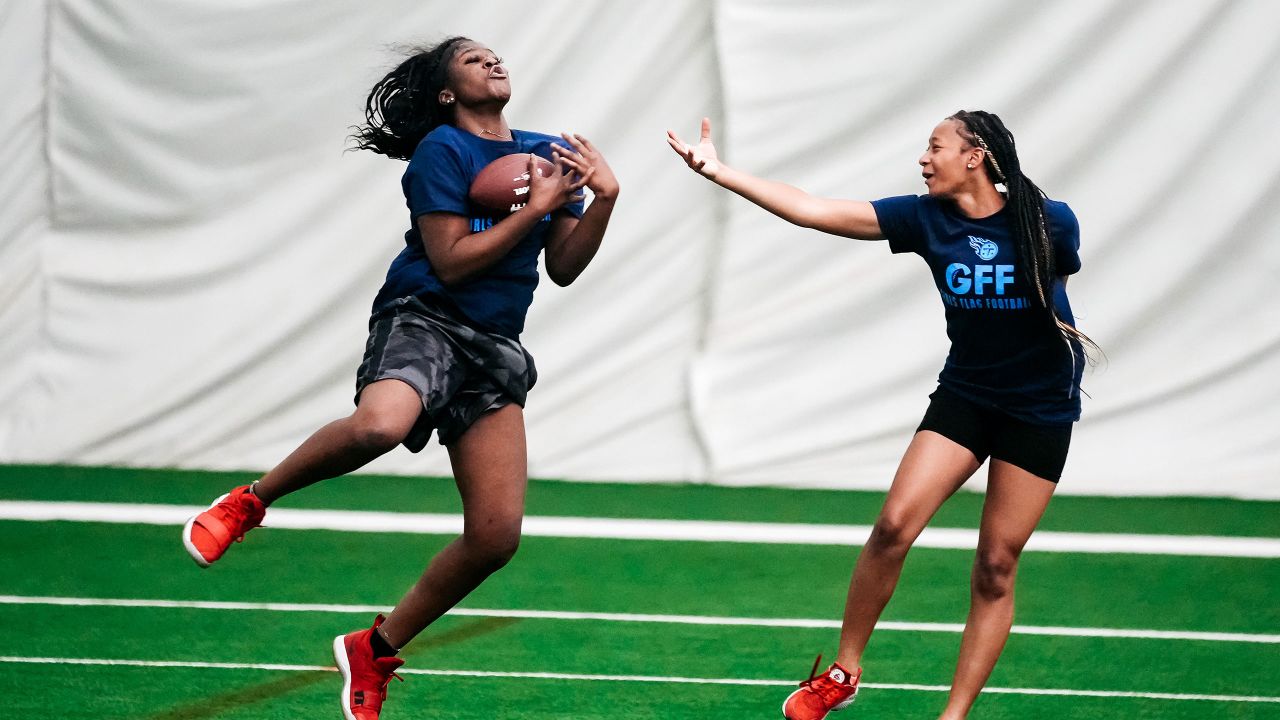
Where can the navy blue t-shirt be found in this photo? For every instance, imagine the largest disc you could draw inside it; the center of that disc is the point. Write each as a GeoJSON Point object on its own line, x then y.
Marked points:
{"type": "Point", "coordinates": [1006, 352]}
{"type": "Point", "coordinates": [437, 180]}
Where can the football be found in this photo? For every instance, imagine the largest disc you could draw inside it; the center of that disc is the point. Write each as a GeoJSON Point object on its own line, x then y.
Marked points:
{"type": "Point", "coordinates": [502, 185]}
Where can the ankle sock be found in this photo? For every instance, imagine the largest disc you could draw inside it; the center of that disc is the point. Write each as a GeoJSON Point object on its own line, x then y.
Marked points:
{"type": "Point", "coordinates": [381, 648]}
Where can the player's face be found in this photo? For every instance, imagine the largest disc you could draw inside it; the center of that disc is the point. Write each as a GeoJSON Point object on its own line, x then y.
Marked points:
{"type": "Point", "coordinates": [478, 77]}
{"type": "Point", "coordinates": [943, 163]}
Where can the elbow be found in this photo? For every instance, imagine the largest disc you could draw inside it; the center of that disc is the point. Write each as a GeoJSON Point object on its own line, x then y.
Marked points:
{"type": "Point", "coordinates": [561, 275]}
{"type": "Point", "coordinates": [800, 215]}
{"type": "Point", "coordinates": [563, 279]}
{"type": "Point", "coordinates": [448, 276]}
{"type": "Point", "coordinates": [807, 214]}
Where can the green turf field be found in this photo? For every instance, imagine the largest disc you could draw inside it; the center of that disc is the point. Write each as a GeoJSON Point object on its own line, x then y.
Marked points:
{"type": "Point", "coordinates": [270, 663]}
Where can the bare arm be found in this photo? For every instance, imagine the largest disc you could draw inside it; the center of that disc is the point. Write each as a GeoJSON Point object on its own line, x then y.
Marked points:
{"type": "Point", "coordinates": [849, 218]}
{"type": "Point", "coordinates": [457, 254]}
{"type": "Point", "coordinates": [573, 242]}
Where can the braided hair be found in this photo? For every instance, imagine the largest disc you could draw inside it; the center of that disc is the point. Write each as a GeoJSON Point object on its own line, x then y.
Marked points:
{"type": "Point", "coordinates": [985, 130]}
{"type": "Point", "coordinates": [404, 105]}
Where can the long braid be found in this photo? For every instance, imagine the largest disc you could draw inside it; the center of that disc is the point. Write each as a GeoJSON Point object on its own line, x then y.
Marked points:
{"type": "Point", "coordinates": [1026, 200]}
{"type": "Point", "coordinates": [404, 105]}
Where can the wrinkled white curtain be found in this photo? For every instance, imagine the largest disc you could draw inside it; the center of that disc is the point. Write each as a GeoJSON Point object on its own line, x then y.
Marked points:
{"type": "Point", "coordinates": [187, 255]}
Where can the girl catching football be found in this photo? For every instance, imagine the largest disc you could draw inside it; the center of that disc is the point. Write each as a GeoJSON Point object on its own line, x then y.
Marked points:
{"type": "Point", "coordinates": [443, 352]}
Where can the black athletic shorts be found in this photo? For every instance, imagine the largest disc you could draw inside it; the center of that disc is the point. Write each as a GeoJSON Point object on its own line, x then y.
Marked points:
{"type": "Point", "coordinates": [1039, 449]}
{"type": "Point", "coordinates": [459, 372]}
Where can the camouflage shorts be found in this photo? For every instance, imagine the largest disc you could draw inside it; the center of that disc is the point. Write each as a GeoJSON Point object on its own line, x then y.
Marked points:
{"type": "Point", "coordinates": [459, 372]}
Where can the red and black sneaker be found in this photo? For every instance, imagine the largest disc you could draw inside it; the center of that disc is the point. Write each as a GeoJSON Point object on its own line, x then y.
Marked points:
{"type": "Point", "coordinates": [364, 677]}
{"type": "Point", "coordinates": [208, 535]}
{"type": "Point", "coordinates": [821, 694]}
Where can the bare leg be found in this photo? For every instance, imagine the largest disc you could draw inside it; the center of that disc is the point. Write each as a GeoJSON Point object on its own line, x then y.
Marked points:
{"type": "Point", "coordinates": [931, 471]}
{"type": "Point", "coordinates": [1016, 500]}
{"type": "Point", "coordinates": [386, 413]}
{"type": "Point", "coordinates": [490, 466]}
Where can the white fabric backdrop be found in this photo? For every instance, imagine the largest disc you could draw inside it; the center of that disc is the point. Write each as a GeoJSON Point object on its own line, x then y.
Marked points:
{"type": "Point", "coordinates": [187, 256]}
{"type": "Point", "coordinates": [24, 214]}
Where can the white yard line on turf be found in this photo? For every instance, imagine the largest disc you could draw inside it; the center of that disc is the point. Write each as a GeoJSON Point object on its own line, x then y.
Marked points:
{"type": "Point", "coordinates": [642, 529]}
{"type": "Point", "coordinates": [630, 678]}
{"type": "Point", "coordinates": [640, 618]}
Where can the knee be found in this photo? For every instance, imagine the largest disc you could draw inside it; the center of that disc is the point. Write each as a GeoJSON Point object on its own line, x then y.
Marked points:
{"type": "Point", "coordinates": [993, 573]}
{"type": "Point", "coordinates": [493, 547]}
{"type": "Point", "coordinates": [891, 534]}
{"type": "Point", "coordinates": [376, 432]}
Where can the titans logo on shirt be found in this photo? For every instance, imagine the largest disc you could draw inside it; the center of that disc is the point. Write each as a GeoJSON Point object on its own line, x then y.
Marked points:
{"type": "Point", "coordinates": [986, 249]}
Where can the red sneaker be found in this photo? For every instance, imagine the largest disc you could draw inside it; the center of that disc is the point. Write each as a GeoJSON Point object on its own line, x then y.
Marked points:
{"type": "Point", "coordinates": [208, 535]}
{"type": "Point", "coordinates": [364, 677]}
{"type": "Point", "coordinates": [817, 696]}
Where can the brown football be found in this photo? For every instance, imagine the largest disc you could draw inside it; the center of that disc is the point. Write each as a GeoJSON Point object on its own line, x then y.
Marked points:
{"type": "Point", "coordinates": [503, 185]}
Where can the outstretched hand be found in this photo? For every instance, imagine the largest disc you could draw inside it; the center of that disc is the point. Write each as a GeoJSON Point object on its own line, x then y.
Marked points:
{"type": "Point", "coordinates": [701, 157]}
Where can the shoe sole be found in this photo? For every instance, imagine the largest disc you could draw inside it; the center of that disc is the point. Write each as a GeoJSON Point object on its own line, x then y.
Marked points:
{"type": "Point", "coordinates": [841, 706]}
{"type": "Point", "coordinates": [186, 535]}
{"type": "Point", "coordinates": [344, 668]}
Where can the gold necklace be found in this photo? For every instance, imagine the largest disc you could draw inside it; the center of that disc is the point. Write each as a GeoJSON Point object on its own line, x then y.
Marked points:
{"type": "Point", "coordinates": [486, 131]}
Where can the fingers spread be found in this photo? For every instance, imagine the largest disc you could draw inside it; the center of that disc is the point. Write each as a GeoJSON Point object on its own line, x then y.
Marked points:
{"type": "Point", "coordinates": [576, 163]}
{"type": "Point", "coordinates": [586, 143]}
{"type": "Point", "coordinates": [563, 148]}
{"type": "Point", "coordinates": [574, 141]}
{"type": "Point", "coordinates": [582, 180]}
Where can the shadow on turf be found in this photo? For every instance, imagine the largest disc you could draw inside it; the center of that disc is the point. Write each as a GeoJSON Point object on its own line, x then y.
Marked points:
{"type": "Point", "coordinates": [243, 697]}
{"type": "Point", "coordinates": [253, 694]}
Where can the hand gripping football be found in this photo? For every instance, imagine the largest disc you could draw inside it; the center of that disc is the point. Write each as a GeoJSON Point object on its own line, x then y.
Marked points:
{"type": "Point", "coordinates": [503, 185]}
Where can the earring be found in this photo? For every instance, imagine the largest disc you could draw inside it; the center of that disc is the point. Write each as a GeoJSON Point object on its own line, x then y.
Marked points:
{"type": "Point", "coordinates": [970, 166]}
